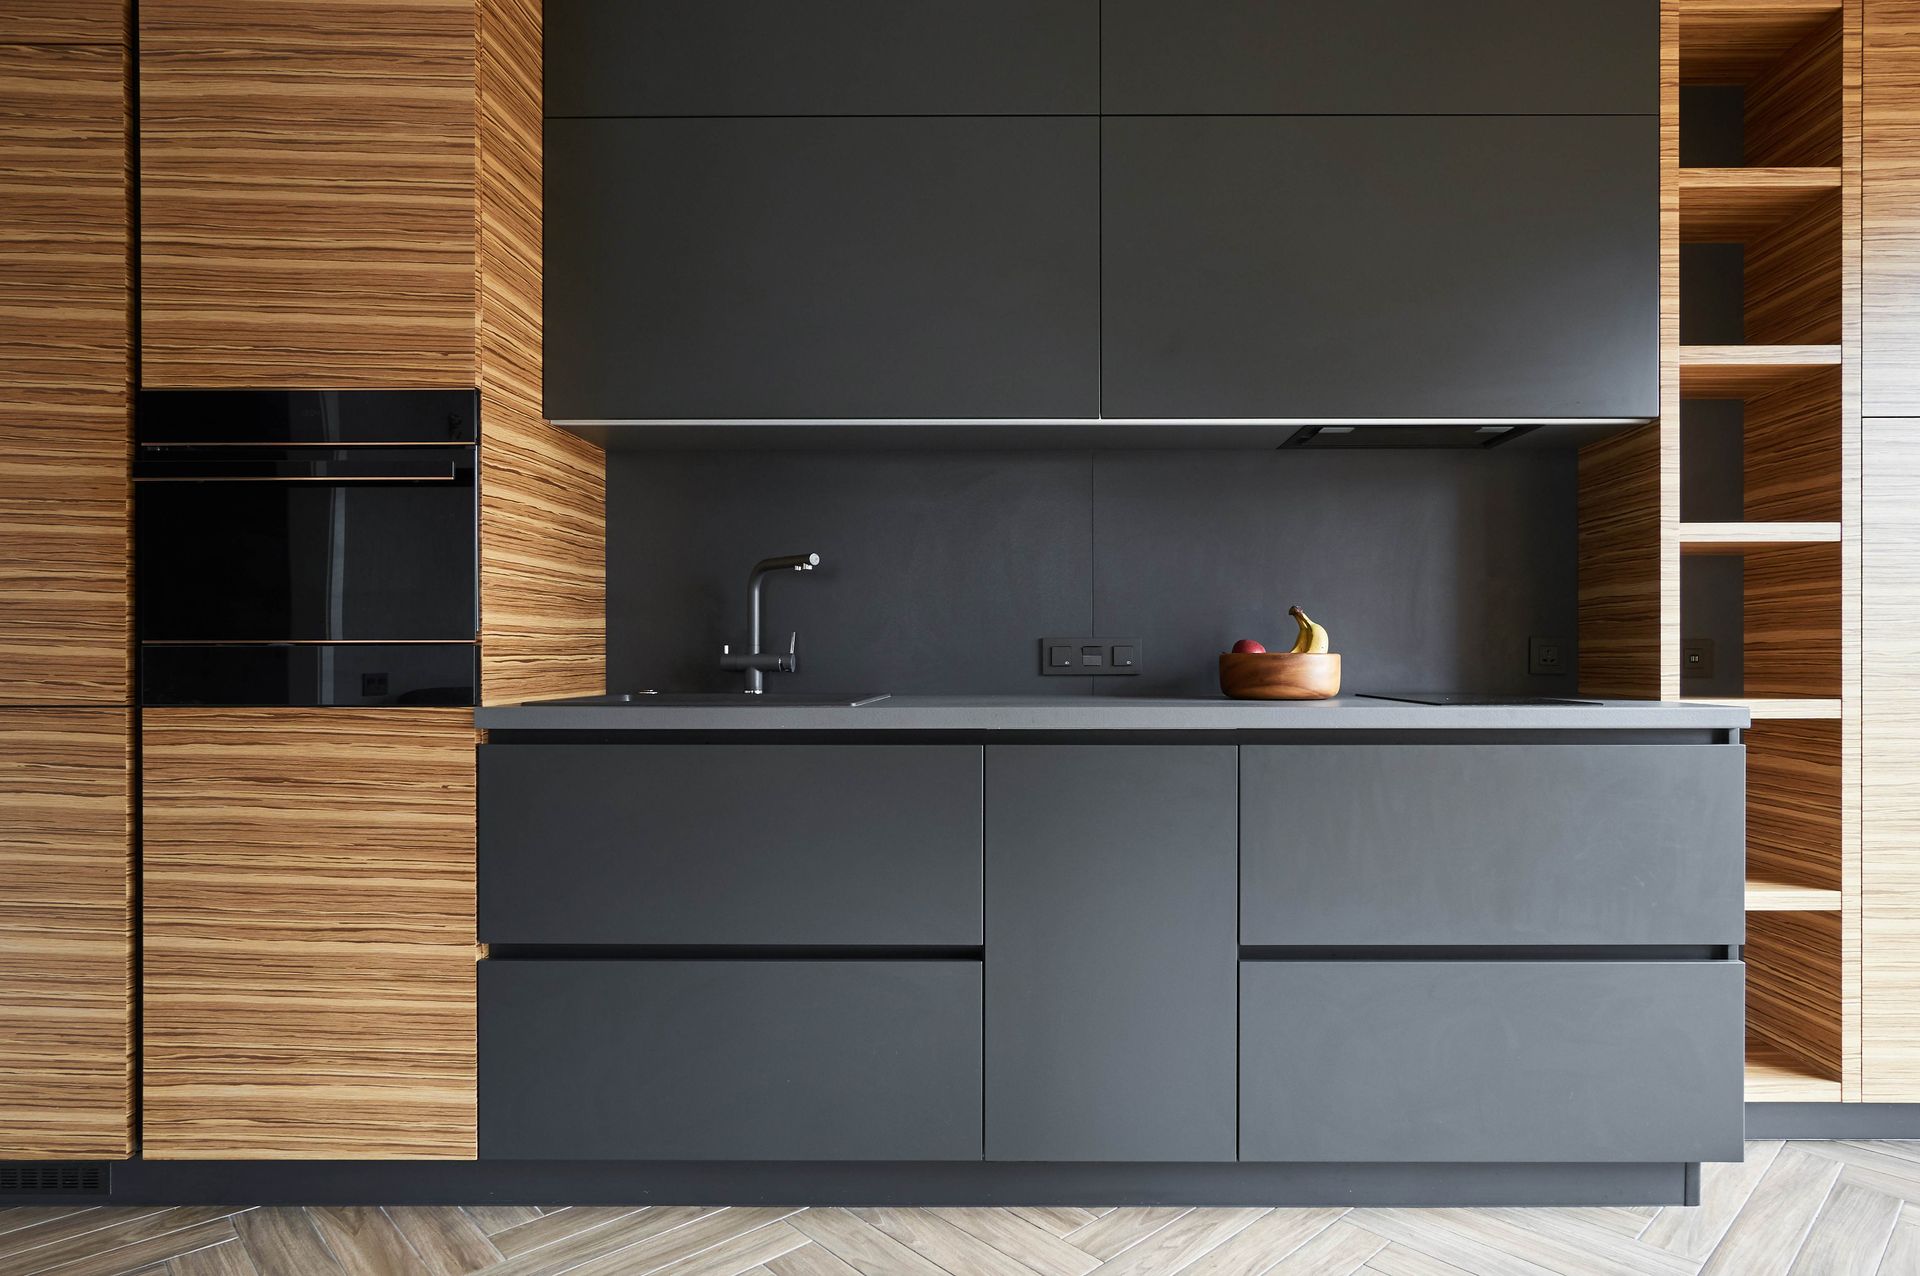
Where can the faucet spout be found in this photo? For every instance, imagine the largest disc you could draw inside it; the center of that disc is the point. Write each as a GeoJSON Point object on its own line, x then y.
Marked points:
{"type": "Point", "coordinates": [753, 663]}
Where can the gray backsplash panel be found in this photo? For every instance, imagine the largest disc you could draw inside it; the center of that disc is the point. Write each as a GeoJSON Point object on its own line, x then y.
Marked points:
{"type": "Point", "coordinates": [1429, 569]}
{"type": "Point", "coordinates": [942, 570]}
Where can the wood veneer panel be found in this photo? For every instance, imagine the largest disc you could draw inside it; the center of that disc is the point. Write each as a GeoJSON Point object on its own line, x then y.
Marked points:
{"type": "Point", "coordinates": [1794, 803]}
{"type": "Point", "coordinates": [1792, 279]}
{"type": "Point", "coordinates": [1735, 41]}
{"type": "Point", "coordinates": [66, 933]}
{"type": "Point", "coordinates": [307, 193]}
{"type": "Point", "coordinates": [1890, 337]}
{"type": "Point", "coordinates": [542, 491]}
{"type": "Point", "coordinates": [1741, 372]}
{"type": "Point", "coordinates": [1890, 771]}
{"type": "Point", "coordinates": [1793, 987]}
{"type": "Point", "coordinates": [65, 624]}
{"type": "Point", "coordinates": [1793, 107]}
{"type": "Point", "coordinates": [308, 933]}
{"type": "Point", "coordinates": [1737, 205]}
{"type": "Point", "coordinates": [1620, 565]}
{"type": "Point", "coordinates": [64, 22]}
{"type": "Point", "coordinates": [1792, 627]}
{"type": "Point", "coordinates": [1792, 443]}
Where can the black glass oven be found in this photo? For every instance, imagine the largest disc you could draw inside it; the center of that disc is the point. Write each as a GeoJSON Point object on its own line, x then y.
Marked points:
{"type": "Point", "coordinates": [306, 547]}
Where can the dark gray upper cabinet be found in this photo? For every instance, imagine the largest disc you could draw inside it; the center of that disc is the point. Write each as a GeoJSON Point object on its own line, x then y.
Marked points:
{"type": "Point", "coordinates": [1110, 953]}
{"type": "Point", "coordinates": [1382, 57]}
{"type": "Point", "coordinates": [730, 844]}
{"type": "Point", "coordinates": [832, 269]}
{"type": "Point", "coordinates": [1492, 844]}
{"type": "Point", "coordinates": [822, 57]}
{"type": "Point", "coordinates": [1380, 267]}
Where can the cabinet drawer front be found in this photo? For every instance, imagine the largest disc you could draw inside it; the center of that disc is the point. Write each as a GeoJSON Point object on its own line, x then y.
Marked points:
{"type": "Point", "coordinates": [730, 844]}
{"type": "Point", "coordinates": [1492, 844]}
{"type": "Point", "coordinates": [801, 269]}
{"type": "Point", "coordinates": [843, 57]}
{"type": "Point", "coordinates": [1380, 57]}
{"type": "Point", "coordinates": [1491, 1061]}
{"type": "Point", "coordinates": [730, 1060]}
{"type": "Point", "coordinates": [1519, 257]}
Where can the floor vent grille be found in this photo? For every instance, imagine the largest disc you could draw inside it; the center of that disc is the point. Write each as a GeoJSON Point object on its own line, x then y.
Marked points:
{"type": "Point", "coordinates": [40, 1179]}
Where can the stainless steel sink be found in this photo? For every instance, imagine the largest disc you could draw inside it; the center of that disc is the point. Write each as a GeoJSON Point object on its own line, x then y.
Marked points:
{"type": "Point", "coordinates": [720, 699]}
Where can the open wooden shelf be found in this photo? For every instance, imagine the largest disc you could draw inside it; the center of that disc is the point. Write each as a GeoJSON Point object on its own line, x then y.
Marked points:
{"type": "Point", "coordinates": [1798, 708]}
{"type": "Point", "coordinates": [1774, 1076]}
{"type": "Point", "coordinates": [1790, 897]}
{"type": "Point", "coordinates": [1735, 205]}
{"type": "Point", "coordinates": [1736, 538]}
{"type": "Point", "coordinates": [1739, 372]}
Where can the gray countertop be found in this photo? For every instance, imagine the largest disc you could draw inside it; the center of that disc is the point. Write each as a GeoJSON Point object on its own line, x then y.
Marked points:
{"type": "Point", "coordinates": [1113, 713]}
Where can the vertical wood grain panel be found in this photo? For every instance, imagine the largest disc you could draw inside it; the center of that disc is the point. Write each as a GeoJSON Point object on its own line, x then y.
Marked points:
{"type": "Point", "coordinates": [1793, 107]}
{"type": "Point", "coordinates": [1629, 486]}
{"type": "Point", "coordinates": [1792, 630]}
{"type": "Point", "coordinates": [65, 623]}
{"type": "Point", "coordinates": [1890, 922]}
{"type": "Point", "coordinates": [1792, 447]}
{"type": "Point", "coordinates": [1851, 647]}
{"type": "Point", "coordinates": [66, 934]}
{"type": "Point", "coordinates": [1794, 803]}
{"type": "Point", "coordinates": [1890, 327]}
{"type": "Point", "coordinates": [1793, 987]}
{"type": "Point", "coordinates": [542, 491]}
{"type": "Point", "coordinates": [64, 22]}
{"type": "Point", "coordinates": [307, 193]}
{"type": "Point", "coordinates": [308, 931]}
{"type": "Point", "coordinates": [1792, 278]}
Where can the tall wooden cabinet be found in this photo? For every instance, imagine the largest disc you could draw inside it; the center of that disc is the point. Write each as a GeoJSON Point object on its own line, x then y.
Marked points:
{"type": "Point", "coordinates": [307, 933]}
{"type": "Point", "coordinates": [349, 195]}
{"type": "Point", "coordinates": [1890, 613]}
{"type": "Point", "coordinates": [66, 947]}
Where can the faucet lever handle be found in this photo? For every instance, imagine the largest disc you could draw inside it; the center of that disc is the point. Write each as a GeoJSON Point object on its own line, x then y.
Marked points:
{"type": "Point", "coordinates": [793, 642]}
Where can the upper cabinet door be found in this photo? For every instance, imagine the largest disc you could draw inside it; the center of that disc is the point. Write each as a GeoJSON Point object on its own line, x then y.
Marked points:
{"type": "Point", "coordinates": [1388, 57]}
{"type": "Point", "coordinates": [307, 193]}
{"type": "Point", "coordinates": [823, 57]}
{"type": "Point", "coordinates": [1380, 267]}
{"type": "Point", "coordinates": [822, 268]}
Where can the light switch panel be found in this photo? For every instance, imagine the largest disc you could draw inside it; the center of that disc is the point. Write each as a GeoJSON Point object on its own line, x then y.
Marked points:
{"type": "Point", "coordinates": [1081, 657]}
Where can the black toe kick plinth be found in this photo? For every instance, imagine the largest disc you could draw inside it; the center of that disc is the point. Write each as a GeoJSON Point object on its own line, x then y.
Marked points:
{"type": "Point", "coordinates": [853, 1183]}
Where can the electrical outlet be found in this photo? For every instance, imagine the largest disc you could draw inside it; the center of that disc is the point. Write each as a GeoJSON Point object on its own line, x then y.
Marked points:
{"type": "Point", "coordinates": [373, 685]}
{"type": "Point", "coordinates": [1696, 658]}
{"type": "Point", "coordinates": [1083, 656]}
{"type": "Point", "coordinates": [1547, 656]}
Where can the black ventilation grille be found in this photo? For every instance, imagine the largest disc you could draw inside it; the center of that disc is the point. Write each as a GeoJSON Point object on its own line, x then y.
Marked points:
{"type": "Point", "coordinates": [40, 1179]}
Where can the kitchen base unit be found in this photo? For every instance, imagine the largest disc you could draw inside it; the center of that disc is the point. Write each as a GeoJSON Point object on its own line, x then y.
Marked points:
{"type": "Point", "coordinates": [1109, 952]}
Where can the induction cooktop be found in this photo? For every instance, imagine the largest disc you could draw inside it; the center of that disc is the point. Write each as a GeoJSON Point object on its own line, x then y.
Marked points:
{"type": "Point", "coordinates": [1460, 698]}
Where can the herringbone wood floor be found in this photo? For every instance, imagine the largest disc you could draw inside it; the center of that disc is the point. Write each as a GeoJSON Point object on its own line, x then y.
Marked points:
{"type": "Point", "coordinates": [1796, 1209]}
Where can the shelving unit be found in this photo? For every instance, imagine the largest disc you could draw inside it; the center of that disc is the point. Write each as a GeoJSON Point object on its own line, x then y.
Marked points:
{"type": "Point", "coordinates": [1736, 517]}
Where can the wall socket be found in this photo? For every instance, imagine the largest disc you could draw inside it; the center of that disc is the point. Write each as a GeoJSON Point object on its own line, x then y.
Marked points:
{"type": "Point", "coordinates": [1696, 658]}
{"type": "Point", "coordinates": [1081, 657]}
{"type": "Point", "coordinates": [1548, 656]}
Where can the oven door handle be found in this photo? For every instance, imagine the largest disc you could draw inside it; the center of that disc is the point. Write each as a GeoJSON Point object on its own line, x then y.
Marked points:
{"type": "Point", "coordinates": [371, 470]}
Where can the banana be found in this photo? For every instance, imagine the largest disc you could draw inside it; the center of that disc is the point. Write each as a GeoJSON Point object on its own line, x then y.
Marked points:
{"type": "Point", "coordinates": [1312, 639]}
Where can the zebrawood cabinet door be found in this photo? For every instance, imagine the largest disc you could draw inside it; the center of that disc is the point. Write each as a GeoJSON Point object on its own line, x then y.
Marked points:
{"type": "Point", "coordinates": [64, 22]}
{"type": "Point", "coordinates": [1890, 210]}
{"type": "Point", "coordinates": [66, 934]}
{"type": "Point", "coordinates": [307, 925]}
{"type": "Point", "coordinates": [65, 360]}
{"type": "Point", "coordinates": [307, 184]}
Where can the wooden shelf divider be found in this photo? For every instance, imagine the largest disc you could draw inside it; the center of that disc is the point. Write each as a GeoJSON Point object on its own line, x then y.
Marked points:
{"type": "Point", "coordinates": [1797, 708]}
{"type": "Point", "coordinates": [1738, 538]}
{"type": "Point", "coordinates": [1727, 205]}
{"type": "Point", "coordinates": [1790, 897]}
{"type": "Point", "coordinates": [1739, 372]}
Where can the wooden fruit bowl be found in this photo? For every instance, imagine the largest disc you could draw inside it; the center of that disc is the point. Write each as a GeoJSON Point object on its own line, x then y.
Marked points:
{"type": "Point", "coordinates": [1279, 675]}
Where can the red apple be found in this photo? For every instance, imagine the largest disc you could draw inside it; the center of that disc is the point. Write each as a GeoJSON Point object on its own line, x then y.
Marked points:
{"type": "Point", "coordinates": [1246, 645]}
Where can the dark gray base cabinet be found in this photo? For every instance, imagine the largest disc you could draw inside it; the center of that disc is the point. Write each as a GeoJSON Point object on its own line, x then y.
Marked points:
{"type": "Point", "coordinates": [1369, 267]}
{"type": "Point", "coordinates": [1492, 844]}
{"type": "Point", "coordinates": [1492, 1061]}
{"type": "Point", "coordinates": [730, 1060]}
{"type": "Point", "coordinates": [730, 844]}
{"type": "Point", "coordinates": [1110, 952]}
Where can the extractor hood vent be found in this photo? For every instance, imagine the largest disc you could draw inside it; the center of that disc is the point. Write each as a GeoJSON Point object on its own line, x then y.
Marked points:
{"type": "Point", "coordinates": [1464, 435]}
